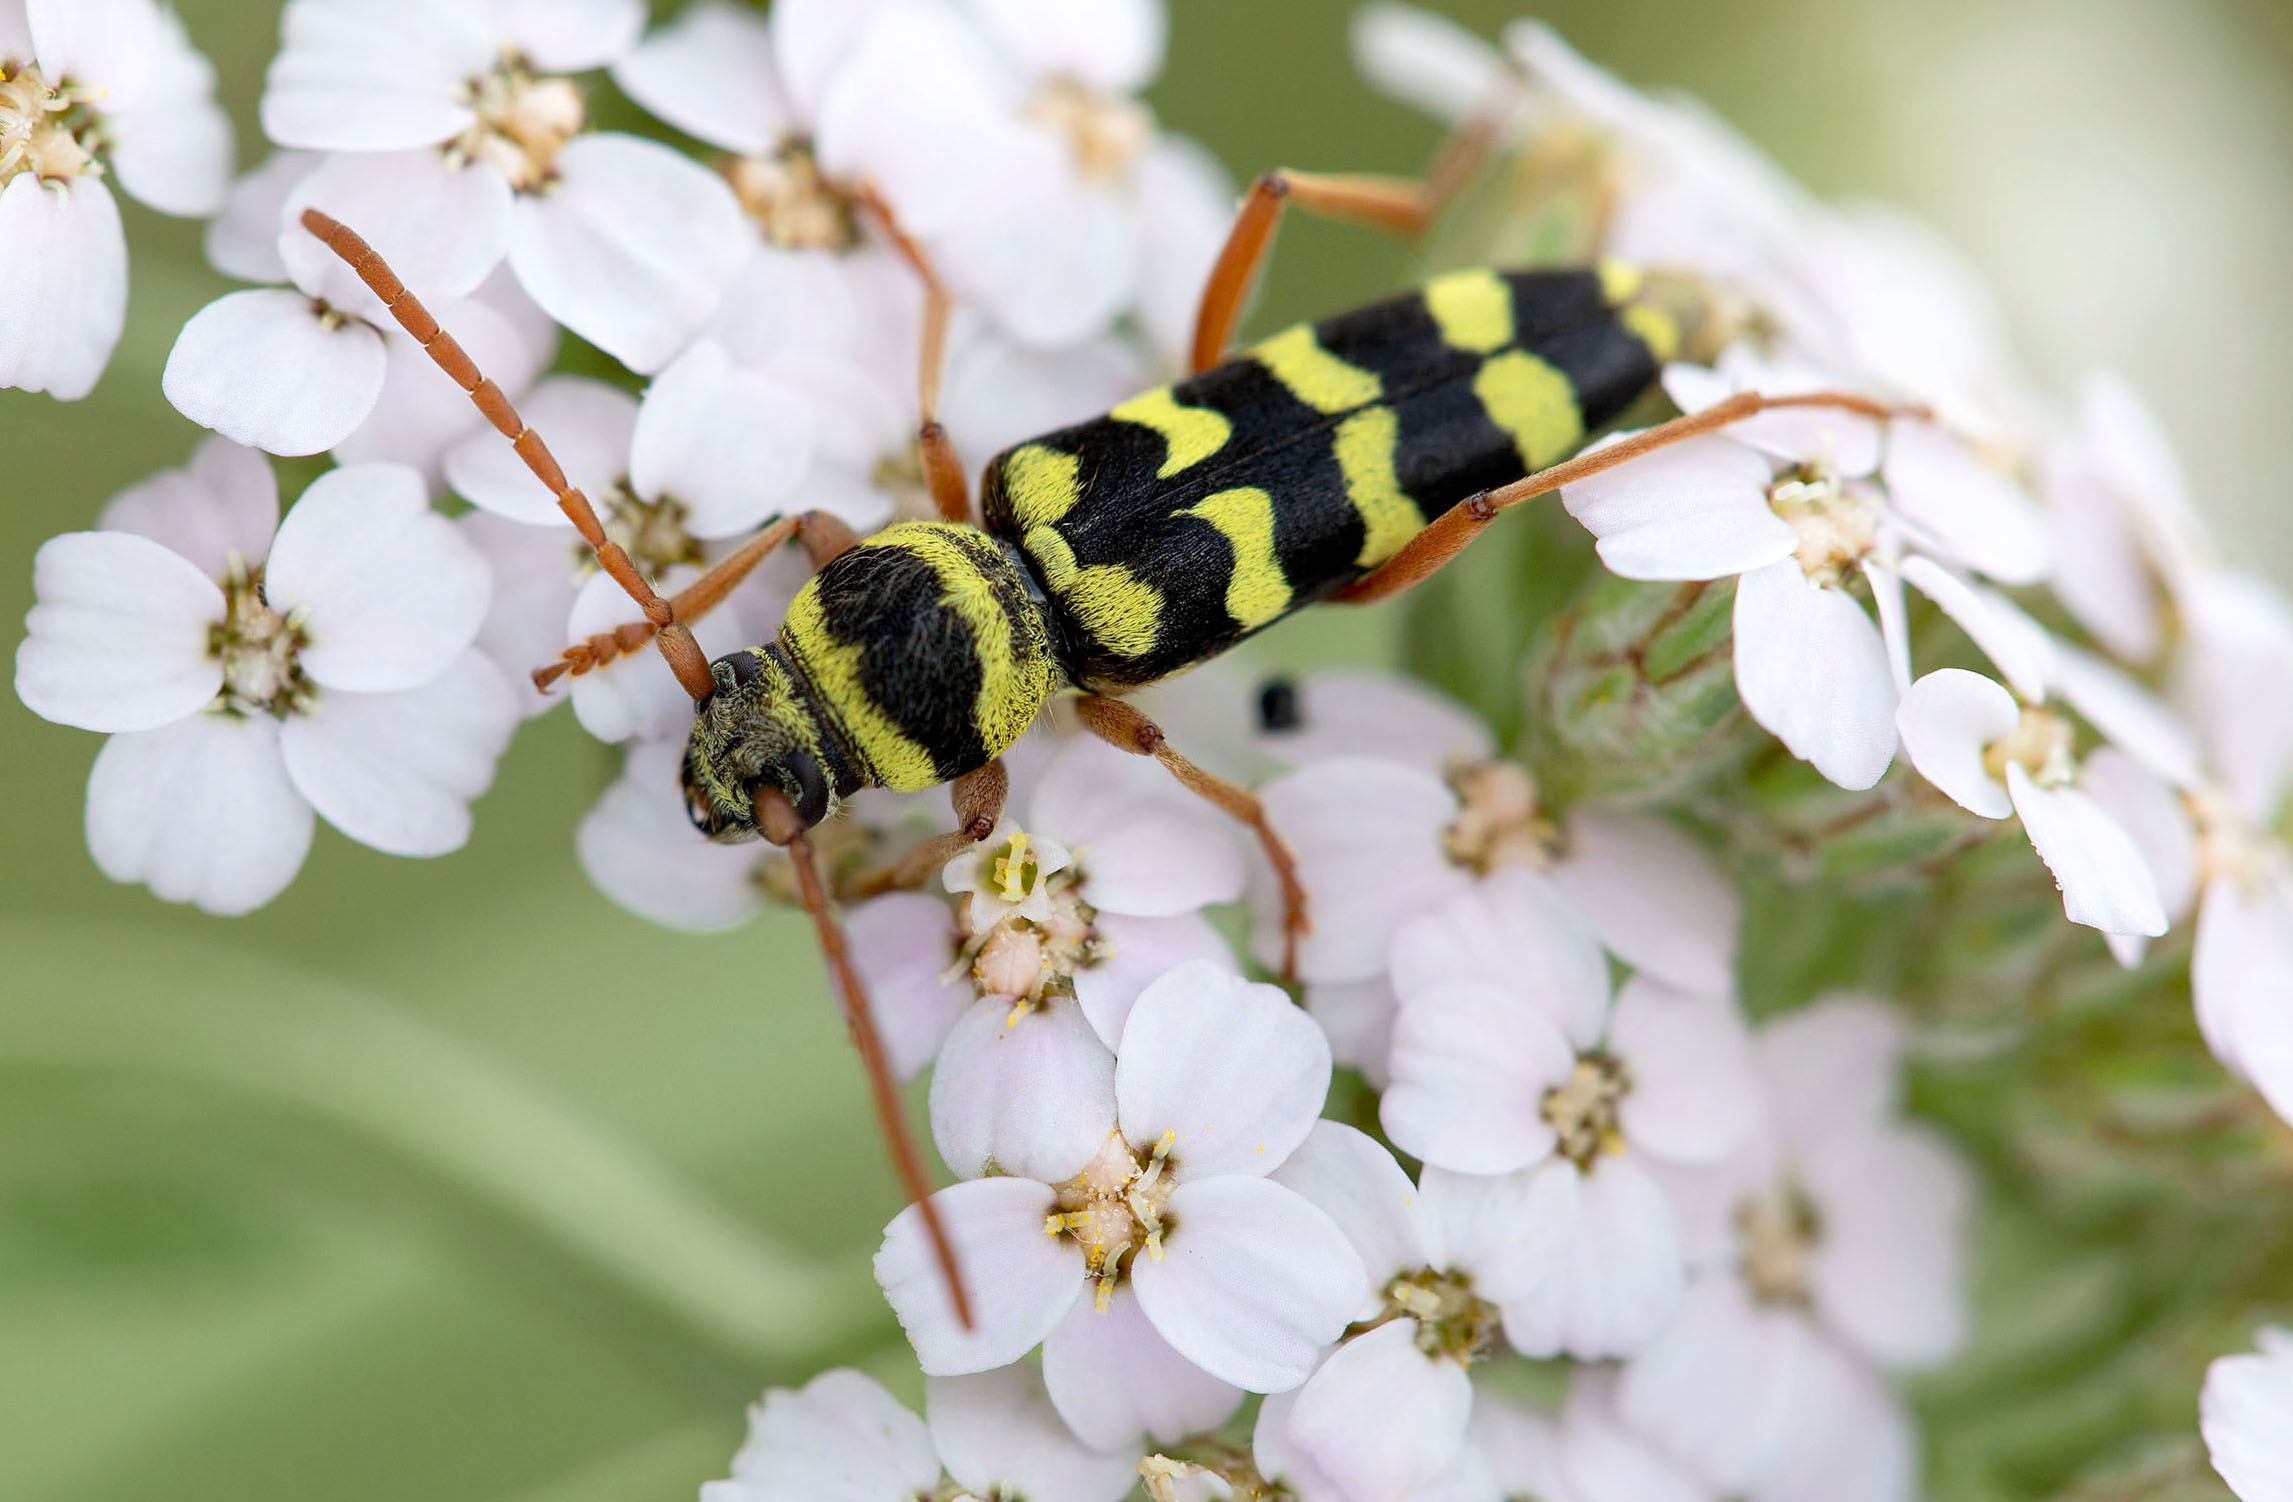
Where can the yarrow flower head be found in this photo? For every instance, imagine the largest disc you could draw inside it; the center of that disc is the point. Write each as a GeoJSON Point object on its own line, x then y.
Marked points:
{"type": "Point", "coordinates": [251, 669]}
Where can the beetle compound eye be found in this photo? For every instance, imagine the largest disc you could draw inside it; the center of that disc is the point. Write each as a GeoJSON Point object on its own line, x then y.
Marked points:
{"type": "Point", "coordinates": [807, 787]}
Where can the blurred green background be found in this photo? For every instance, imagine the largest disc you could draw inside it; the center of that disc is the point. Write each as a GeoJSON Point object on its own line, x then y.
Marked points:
{"type": "Point", "coordinates": [450, 1179]}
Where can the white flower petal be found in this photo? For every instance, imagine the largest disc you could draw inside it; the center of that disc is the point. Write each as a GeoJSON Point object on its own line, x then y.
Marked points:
{"type": "Point", "coordinates": [1151, 849]}
{"type": "Point", "coordinates": [588, 425]}
{"type": "Point", "coordinates": [1229, 1074]}
{"type": "Point", "coordinates": [112, 45]}
{"type": "Point", "coordinates": [2241, 933]}
{"type": "Point", "coordinates": [1021, 1279]}
{"type": "Point", "coordinates": [2100, 574]}
{"type": "Point", "coordinates": [1470, 1069]}
{"type": "Point", "coordinates": [1832, 1066]}
{"type": "Point", "coordinates": [1889, 1274]}
{"type": "Point", "coordinates": [1606, 1276]}
{"type": "Point", "coordinates": [568, 36]}
{"type": "Point", "coordinates": [2128, 715]}
{"type": "Point", "coordinates": [1143, 951]}
{"type": "Point", "coordinates": [1950, 496]}
{"type": "Point", "coordinates": [1028, 1093]}
{"type": "Point", "coordinates": [642, 851]}
{"type": "Point", "coordinates": [388, 591]}
{"type": "Point", "coordinates": [710, 73]}
{"type": "Point", "coordinates": [1695, 1093]}
{"type": "Point", "coordinates": [726, 443]}
{"type": "Point", "coordinates": [632, 248]}
{"type": "Point", "coordinates": [1813, 671]}
{"type": "Point", "coordinates": [1723, 1386]}
{"type": "Point", "coordinates": [421, 411]}
{"type": "Point", "coordinates": [1179, 241]}
{"type": "Point", "coordinates": [1113, 1378]}
{"type": "Point", "coordinates": [1115, 46]}
{"type": "Point", "coordinates": [901, 944]}
{"type": "Point", "coordinates": [243, 240]}
{"type": "Point", "coordinates": [1357, 1183]}
{"type": "Point", "coordinates": [1854, 1438]}
{"type": "Point", "coordinates": [1358, 1017]}
{"type": "Point", "coordinates": [353, 76]}
{"type": "Point", "coordinates": [1654, 897]}
{"type": "Point", "coordinates": [173, 150]}
{"type": "Point", "coordinates": [840, 1438]}
{"type": "Point", "coordinates": [1425, 60]}
{"type": "Point", "coordinates": [2104, 880]}
{"type": "Point", "coordinates": [1948, 720]}
{"type": "Point", "coordinates": [225, 501]}
{"type": "Point", "coordinates": [811, 39]}
{"type": "Point", "coordinates": [268, 369]}
{"type": "Point", "coordinates": [998, 1435]}
{"type": "Point", "coordinates": [119, 637]}
{"type": "Point", "coordinates": [1253, 1281]}
{"type": "Point", "coordinates": [2242, 1415]}
{"type": "Point", "coordinates": [1696, 509]}
{"type": "Point", "coordinates": [2149, 811]}
{"type": "Point", "coordinates": [1843, 442]}
{"type": "Point", "coordinates": [2023, 653]}
{"type": "Point", "coordinates": [199, 811]}
{"type": "Point", "coordinates": [1367, 839]}
{"type": "Point", "coordinates": [1515, 930]}
{"type": "Point", "coordinates": [398, 770]}
{"type": "Point", "coordinates": [533, 591]}
{"type": "Point", "coordinates": [443, 229]}
{"type": "Point", "coordinates": [65, 295]}
{"type": "Point", "coordinates": [1356, 712]}
{"type": "Point", "coordinates": [1383, 1414]}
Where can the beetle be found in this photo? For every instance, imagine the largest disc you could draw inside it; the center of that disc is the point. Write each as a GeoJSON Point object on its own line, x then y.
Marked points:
{"type": "Point", "coordinates": [1347, 459]}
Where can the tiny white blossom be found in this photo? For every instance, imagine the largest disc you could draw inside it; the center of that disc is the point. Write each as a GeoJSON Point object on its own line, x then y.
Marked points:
{"type": "Point", "coordinates": [2246, 1414]}
{"type": "Point", "coordinates": [842, 1438]}
{"type": "Point", "coordinates": [1205, 1276]}
{"type": "Point", "coordinates": [91, 91]}
{"type": "Point", "coordinates": [622, 240]}
{"type": "Point", "coordinates": [248, 678]}
{"type": "Point", "coordinates": [1830, 1250]}
{"type": "Point", "coordinates": [1585, 1453]}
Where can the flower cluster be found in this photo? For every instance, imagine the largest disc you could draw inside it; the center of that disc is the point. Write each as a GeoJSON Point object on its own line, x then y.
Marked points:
{"type": "Point", "coordinates": [1534, 1106]}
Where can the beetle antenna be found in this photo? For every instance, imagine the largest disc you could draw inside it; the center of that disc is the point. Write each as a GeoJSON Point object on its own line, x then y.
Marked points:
{"type": "Point", "coordinates": [780, 824]}
{"type": "Point", "coordinates": [675, 639]}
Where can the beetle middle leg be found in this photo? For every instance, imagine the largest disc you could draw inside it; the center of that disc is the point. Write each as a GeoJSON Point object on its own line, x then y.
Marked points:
{"type": "Point", "coordinates": [1126, 729]}
{"type": "Point", "coordinates": [943, 467]}
{"type": "Point", "coordinates": [1448, 534]}
{"type": "Point", "coordinates": [1403, 206]}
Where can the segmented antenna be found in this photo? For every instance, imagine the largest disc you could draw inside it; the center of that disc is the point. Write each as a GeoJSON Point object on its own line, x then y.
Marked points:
{"type": "Point", "coordinates": [675, 639]}
{"type": "Point", "coordinates": [775, 817]}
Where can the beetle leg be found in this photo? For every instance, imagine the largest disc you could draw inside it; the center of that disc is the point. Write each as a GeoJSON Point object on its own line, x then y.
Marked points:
{"type": "Point", "coordinates": [1447, 535]}
{"type": "Point", "coordinates": [1126, 729]}
{"type": "Point", "coordinates": [824, 536]}
{"type": "Point", "coordinates": [979, 795]}
{"type": "Point", "coordinates": [1404, 206]}
{"type": "Point", "coordinates": [943, 468]}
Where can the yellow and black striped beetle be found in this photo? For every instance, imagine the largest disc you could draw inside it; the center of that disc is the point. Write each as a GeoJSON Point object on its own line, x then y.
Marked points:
{"type": "Point", "coordinates": [1346, 459]}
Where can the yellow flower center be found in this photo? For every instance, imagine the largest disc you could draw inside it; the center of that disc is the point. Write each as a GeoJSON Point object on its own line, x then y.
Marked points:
{"type": "Point", "coordinates": [1452, 1320]}
{"type": "Point", "coordinates": [524, 120]}
{"type": "Point", "coordinates": [1114, 1209]}
{"type": "Point", "coordinates": [1837, 527]}
{"type": "Point", "coordinates": [1105, 133]}
{"type": "Point", "coordinates": [46, 129]}
{"type": "Point", "coordinates": [1582, 1109]}
{"type": "Point", "coordinates": [2041, 743]}
{"type": "Point", "coordinates": [1778, 1234]}
{"type": "Point", "coordinates": [1498, 822]}
{"type": "Point", "coordinates": [259, 649]}
{"type": "Point", "coordinates": [792, 202]}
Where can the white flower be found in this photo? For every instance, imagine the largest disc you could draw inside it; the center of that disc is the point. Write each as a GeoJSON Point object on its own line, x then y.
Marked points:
{"type": "Point", "coordinates": [89, 90]}
{"type": "Point", "coordinates": [1999, 758]}
{"type": "Point", "coordinates": [2246, 1414]}
{"type": "Point", "coordinates": [842, 1438]}
{"type": "Point", "coordinates": [1279, 1468]}
{"type": "Point", "coordinates": [1386, 1412]}
{"type": "Point", "coordinates": [1402, 803]}
{"type": "Point", "coordinates": [1205, 1276]}
{"type": "Point", "coordinates": [1585, 1453]}
{"type": "Point", "coordinates": [430, 105]}
{"type": "Point", "coordinates": [1830, 1250]}
{"type": "Point", "coordinates": [1797, 504]}
{"type": "Point", "coordinates": [320, 364]}
{"type": "Point", "coordinates": [1509, 1059]}
{"type": "Point", "coordinates": [247, 679]}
